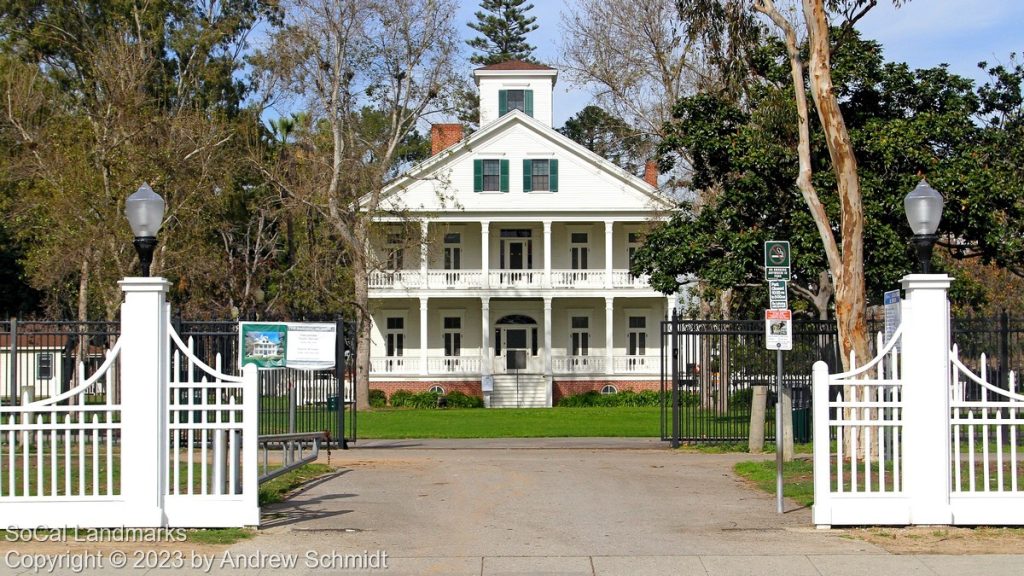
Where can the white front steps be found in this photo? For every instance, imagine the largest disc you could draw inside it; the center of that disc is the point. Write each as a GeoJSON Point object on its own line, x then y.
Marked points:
{"type": "Point", "coordinates": [532, 391]}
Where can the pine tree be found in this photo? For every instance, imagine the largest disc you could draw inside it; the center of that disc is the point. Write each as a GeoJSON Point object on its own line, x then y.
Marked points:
{"type": "Point", "coordinates": [503, 25]}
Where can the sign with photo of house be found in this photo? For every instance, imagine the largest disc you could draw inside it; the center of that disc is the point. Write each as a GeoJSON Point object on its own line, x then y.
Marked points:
{"type": "Point", "coordinates": [299, 345]}
{"type": "Point", "coordinates": [262, 344]}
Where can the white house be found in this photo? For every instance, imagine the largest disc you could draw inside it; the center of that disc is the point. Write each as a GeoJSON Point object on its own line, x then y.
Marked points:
{"type": "Point", "coordinates": [520, 248]}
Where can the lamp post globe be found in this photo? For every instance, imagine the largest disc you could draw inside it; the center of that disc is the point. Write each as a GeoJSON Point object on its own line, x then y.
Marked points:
{"type": "Point", "coordinates": [923, 206]}
{"type": "Point", "coordinates": [145, 212]}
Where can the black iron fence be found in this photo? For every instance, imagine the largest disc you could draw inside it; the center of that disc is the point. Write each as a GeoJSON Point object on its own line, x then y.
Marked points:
{"type": "Point", "coordinates": [44, 357]}
{"type": "Point", "coordinates": [713, 368]}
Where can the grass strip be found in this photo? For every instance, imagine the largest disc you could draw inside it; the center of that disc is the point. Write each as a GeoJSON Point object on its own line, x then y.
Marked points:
{"type": "Point", "coordinates": [797, 478]}
{"type": "Point", "coordinates": [278, 489]}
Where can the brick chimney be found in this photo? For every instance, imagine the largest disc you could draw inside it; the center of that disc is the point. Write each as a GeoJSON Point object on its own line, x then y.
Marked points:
{"type": "Point", "coordinates": [443, 136]}
{"type": "Point", "coordinates": [651, 173]}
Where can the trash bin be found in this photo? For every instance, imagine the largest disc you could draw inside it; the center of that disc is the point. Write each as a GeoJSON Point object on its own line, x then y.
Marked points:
{"type": "Point", "coordinates": [802, 425]}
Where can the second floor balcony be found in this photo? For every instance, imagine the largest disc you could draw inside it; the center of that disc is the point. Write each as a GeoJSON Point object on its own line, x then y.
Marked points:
{"type": "Point", "coordinates": [498, 279]}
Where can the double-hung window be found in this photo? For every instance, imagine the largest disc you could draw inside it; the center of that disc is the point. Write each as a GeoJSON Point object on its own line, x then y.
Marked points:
{"type": "Point", "coordinates": [540, 175]}
{"type": "Point", "coordinates": [637, 336]}
{"type": "Point", "coordinates": [578, 250]}
{"type": "Point", "coordinates": [453, 251]}
{"type": "Point", "coordinates": [490, 175]}
{"type": "Point", "coordinates": [632, 245]}
{"type": "Point", "coordinates": [395, 336]}
{"type": "Point", "coordinates": [580, 336]}
{"type": "Point", "coordinates": [452, 336]}
{"type": "Point", "coordinates": [396, 251]}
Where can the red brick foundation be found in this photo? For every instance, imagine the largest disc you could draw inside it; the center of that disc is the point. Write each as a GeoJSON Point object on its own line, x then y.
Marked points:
{"type": "Point", "coordinates": [468, 387]}
{"type": "Point", "coordinates": [563, 388]}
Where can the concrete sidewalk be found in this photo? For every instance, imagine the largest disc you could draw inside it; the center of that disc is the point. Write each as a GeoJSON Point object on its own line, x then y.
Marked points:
{"type": "Point", "coordinates": [564, 506]}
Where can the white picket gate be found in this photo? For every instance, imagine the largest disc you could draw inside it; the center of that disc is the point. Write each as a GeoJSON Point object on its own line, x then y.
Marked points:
{"type": "Point", "coordinates": [179, 450]}
{"type": "Point", "coordinates": [910, 447]}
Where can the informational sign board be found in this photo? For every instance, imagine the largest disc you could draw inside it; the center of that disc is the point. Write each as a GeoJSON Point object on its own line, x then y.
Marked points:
{"type": "Point", "coordinates": [778, 329]}
{"type": "Point", "coordinates": [299, 345]}
{"type": "Point", "coordinates": [893, 315]}
{"type": "Point", "coordinates": [776, 260]}
{"type": "Point", "coordinates": [778, 295]}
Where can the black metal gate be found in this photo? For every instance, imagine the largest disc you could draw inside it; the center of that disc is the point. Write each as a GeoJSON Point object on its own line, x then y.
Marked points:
{"type": "Point", "coordinates": [291, 400]}
{"type": "Point", "coordinates": [710, 369]}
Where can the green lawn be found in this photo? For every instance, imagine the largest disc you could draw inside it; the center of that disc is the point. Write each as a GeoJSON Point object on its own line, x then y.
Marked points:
{"type": "Point", "coordinates": [518, 423]}
{"type": "Point", "coordinates": [797, 478]}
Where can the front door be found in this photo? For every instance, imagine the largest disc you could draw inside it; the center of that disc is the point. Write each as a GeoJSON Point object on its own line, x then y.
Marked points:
{"type": "Point", "coordinates": [516, 338]}
{"type": "Point", "coordinates": [515, 256]}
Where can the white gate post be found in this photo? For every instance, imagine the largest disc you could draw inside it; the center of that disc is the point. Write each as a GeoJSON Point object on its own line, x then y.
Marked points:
{"type": "Point", "coordinates": [925, 396]}
{"type": "Point", "coordinates": [144, 371]}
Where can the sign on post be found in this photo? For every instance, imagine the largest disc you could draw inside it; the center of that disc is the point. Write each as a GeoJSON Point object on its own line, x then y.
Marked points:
{"type": "Point", "coordinates": [893, 315]}
{"type": "Point", "coordinates": [301, 345]}
{"type": "Point", "coordinates": [778, 329]}
{"type": "Point", "coordinates": [778, 295]}
{"type": "Point", "coordinates": [776, 260]}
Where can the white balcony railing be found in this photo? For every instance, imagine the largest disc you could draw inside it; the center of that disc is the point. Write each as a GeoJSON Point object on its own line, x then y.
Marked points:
{"type": "Point", "coordinates": [396, 279]}
{"type": "Point", "coordinates": [577, 364]}
{"type": "Point", "coordinates": [636, 364]}
{"type": "Point", "coordinates": [577, 278]}
{"type": "Point", "coordinates": [516, 278]}
{"type": "Point", "coordinates": [455, 279]}
{"type": "Point", "coordinates": [395, 365]}
{"type": "Point", "coordinates": [470, 279]}
{"type": "Point", "coordinates": [454, 365]}
{"type": "Point", "coordinates": [623, 279]}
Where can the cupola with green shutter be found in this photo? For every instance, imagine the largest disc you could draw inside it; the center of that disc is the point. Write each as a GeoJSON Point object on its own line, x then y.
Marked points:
{"type": "Point", "coordinates": [515, 85]}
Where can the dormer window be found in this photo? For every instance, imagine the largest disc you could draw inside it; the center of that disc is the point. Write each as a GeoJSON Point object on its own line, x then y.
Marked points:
{"type": "Point", "coordinates": [509, 100]}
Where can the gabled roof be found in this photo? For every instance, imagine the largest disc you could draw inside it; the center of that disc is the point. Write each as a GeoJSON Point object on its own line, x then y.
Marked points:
{"type": "Point", "coordinates": [515, 65]}
{"type": "Point", "coordinates": [518, 117]}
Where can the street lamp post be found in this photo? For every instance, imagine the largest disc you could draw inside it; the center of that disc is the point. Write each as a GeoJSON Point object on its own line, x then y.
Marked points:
{"type": "Point", "coordinates": [923, 206]}
{"type": "Point", "coordinates": [145, 212]}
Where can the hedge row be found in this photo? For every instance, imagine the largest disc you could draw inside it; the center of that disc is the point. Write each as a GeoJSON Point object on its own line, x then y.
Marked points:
{"type": "Point", "coordinates": [643, 398]}
{"type": "Point", "coordinates": [407, 399]}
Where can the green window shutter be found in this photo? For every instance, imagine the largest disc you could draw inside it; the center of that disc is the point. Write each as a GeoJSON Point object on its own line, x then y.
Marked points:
{"type": "Point", "coordinates": [502, 102]}
{"type": "Point", "coordinates": [553, 176]}
{"type": "Point", "coordinates": [527, 175]}
{"type": "Point", "coordinates": [528, 101]}
{"type": "Point", "coordinates": [504, 175]}
{"type": "Point", "coordinates": [478, 175]}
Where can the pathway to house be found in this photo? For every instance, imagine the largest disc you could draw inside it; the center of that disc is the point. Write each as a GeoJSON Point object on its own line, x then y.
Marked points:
{"type": "Point", "coordinates": [564, 507]}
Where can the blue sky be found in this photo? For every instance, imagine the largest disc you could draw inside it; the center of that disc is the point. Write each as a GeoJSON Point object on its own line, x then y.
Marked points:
{"type": "Point", "coordinates": [924, 33]}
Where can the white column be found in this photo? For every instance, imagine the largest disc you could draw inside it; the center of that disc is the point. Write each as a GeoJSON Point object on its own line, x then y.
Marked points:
{"type": "Point", "coordinates": [608, 224]}
{"type": "Point", "coordinates": [423, 253]}
{"type": "Point", "coordinates": [925, 391]}
{"type": "Point", "coordinates": [547, 255]}
{"type": "Point", "coordinates": [671, 307]}
{"type": "Point", "coordinates": [547, 346]}
{"type": "Point", "coordinates": [609, 335]}
{"type": "Point", "coordinates": [485, 336]}
{"type": "Point", "coordinates": [423, 336]}
{"type": "Point", "coordinates": [485, 252]}
{"type": "Point", "coordinates": [145, 347]}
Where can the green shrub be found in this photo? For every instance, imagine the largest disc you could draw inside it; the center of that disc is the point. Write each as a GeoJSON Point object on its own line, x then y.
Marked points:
{"type": "Point", "coordinates": [378, 399]}
{"type": "Point", "coordinates": [400, 398]}
{"type": "Point", "coordinates": [456, 399]}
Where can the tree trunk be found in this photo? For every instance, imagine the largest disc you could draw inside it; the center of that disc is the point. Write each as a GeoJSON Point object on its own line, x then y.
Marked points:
{"type": "Point", "coordinates": [361, 298]}
{"type": "Point", "coordinates": [850, 290]}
